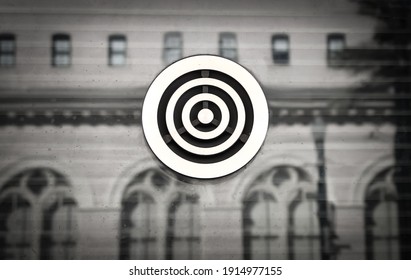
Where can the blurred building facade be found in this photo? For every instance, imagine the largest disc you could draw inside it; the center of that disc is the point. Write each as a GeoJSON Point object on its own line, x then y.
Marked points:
{"type": "Point", "coordinates": [77, 180]}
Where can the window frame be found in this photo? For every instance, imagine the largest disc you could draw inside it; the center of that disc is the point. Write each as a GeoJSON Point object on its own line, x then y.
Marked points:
{"type": "Point", "coordinates": [334, 57]}
{"type": "Point", "coordinates": [55, 52]}
{"type": "Point", "coordinates": [381, 190]}
{"type": "Point", "coordinates": [112, 51]}
{"type": "Point", "coordinates": [265, 198]}
{"type": "Point", "coordinates": [131, 202]}
{"type": "Point", "coordinates": [40, 227]}
{"type": "Point", "coordinates": [288, 192]}
{"type": "Point", "coordinates": [191, 200]}
{"type": "Point", "coordinates": [12, 53]}
{"type": "Point", "coordinates": [280, 57]}
{"type": "Point", "coordinates": [167, 49]}
{"type": "Point", "coordinates": [222, 49]}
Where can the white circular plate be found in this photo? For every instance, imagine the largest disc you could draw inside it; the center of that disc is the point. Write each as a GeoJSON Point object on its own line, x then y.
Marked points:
{"type": "Point", "coordinates": [205, 116]}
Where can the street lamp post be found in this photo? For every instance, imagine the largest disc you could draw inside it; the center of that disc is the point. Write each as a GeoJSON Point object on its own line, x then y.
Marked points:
{"type": "Point", "coordinates": [325, 236]}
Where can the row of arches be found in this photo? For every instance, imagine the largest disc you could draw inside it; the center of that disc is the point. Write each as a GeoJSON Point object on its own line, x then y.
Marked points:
{"type": "Point", "coordinates": [161, 217]}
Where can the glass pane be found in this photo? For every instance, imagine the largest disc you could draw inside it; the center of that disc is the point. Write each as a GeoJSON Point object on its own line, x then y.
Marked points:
{"type": "Point", "coordinates": [195, 250]}
{"type": "Point", "coordinates": [61, 59]}
{"type": "Point", "coordinates": [60, 226]}
{"type": "Point", "coordinates": [6, 59]}
{"type": "Point", "coordinates": [305, 233]}
{"type": "Point", "coordinates": [302, 249]}
{"type": "Point", "coordinates": [265, 227]}
{"type": "Point", "coordinates": [258, 249]}
{"type": "Point", "coordinates": [181, 250]}
{"type": "Point", "coordinates": [137, 250]}
{"type": "Point", "coordinates": [172, 48]}
{"type": "Point", "coordinates": [117, 59]}
{"type": "Point", "coordinates": [305, 218]}
{"type": "Point", "coordinates": [118, 45]}
{"type": "Point", "coordinates": [173, 41]}
{"type": "Point", "coordinates": [229, 53]}
{"type": "Point", "coordinates": [7, 45]}
{"type": "Point", "coordinates": [274, 218]}
{"type": "Point", "coordinates": [336, 44]}
{"type": "Point", "coordinates": [385, 231]}
{"type": "Point", "coordinates": [184, 231]}
{"type": "Point", "coordinates": [381, 218]}
{"type": "Point", "coordinates": [281, 45]}
{"type": "Point", "coordinates": [394, 250]}
{"type": "Point", "coordinates": [172, 55]}
{"type": "Point", "coordinates": [277, 249]}
{"type": "Point", "coordinates": [139, 230]}
{"type": "Point", "coordinates": [259, 219]}
{"type": "Point", "coordinates": [140, 221]}
{"type": "Point", "coordinates": [392, 209]}
{"type": "Point", "coordinates": [19, 226]}
{"type": "Point", "coordinates": [195, 214]}
{"type": "Point", "coordinates": [381, 249]}
{"type": "Point", "coordinates": [62, 45]}
{"type": "Point", "coordinates": [182, 222]}
{"type": "Point", "coordinates": [228, 42]}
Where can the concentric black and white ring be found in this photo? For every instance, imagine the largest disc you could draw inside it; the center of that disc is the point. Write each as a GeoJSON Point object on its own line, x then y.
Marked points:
{"type": "Point", "coordinates": [205, 116]}
{"type": "Point", "coordinates": [222, 125]}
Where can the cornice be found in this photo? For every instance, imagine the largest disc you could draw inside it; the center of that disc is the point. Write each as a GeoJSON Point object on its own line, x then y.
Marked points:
{"type": "Point", "coordinates": [123, 107]}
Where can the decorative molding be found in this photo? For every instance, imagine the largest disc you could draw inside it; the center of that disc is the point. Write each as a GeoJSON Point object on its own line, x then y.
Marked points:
{"type": "Point", "coordinates": [123, 107]}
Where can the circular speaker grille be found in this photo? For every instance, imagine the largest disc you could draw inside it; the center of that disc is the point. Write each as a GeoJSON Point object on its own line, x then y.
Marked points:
{"type": "Point", "coordinates": [205, 116]}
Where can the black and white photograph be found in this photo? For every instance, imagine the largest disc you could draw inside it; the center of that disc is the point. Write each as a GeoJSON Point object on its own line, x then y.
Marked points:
{"type": "Point", "coordinates": [205, 130]}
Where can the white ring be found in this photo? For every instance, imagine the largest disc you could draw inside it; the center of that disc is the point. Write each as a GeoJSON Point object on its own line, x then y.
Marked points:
{"type": "Point", "coordinates": [225, 116]}
{"type": "Point", "coordinates": [176, 162]}
{"type": "Point", "coordinates": [201, 150]}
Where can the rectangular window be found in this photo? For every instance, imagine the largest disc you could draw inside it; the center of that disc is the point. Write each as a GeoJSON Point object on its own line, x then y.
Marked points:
{"type": "Point", "coordinates": [173, 47]}
{"type": "Point", "coordinates": [281, 49]}
{"type": "Point", "coordinates": [335, 48]}
{"type": "Point", "coordinates": [117, 50]}
{"type": "Point", "coordinates": [7, 50]}
{"type": "Point", "coordinates": [228, 46]}
{"type": "Point", "coordinates": [61, 50]}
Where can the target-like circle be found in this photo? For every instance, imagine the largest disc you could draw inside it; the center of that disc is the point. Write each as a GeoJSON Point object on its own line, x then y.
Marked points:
{"type": "Point", "coordinates": [205, 116]}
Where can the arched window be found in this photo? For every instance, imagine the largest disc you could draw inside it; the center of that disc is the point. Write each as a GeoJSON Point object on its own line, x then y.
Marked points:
{"type": "Point", "coordinates": [16, 226]}
{"type": "Point", "coordinates": [139, 222]}
{"type": "Point", "coordinates": [381, 218]}
{"type": "Point", "coordinates": [37, 216]}
{"type": "Point", "coordinates": [304, 229]}
{"type": "Point", "coordinates": [279, 217]}
{"type": "Point", "coordinates": [261, 226]}
{"type": "Point", "coordinates": [139, 216]}
{"type": "Point", "coordinates": [159, 219]}
{"type": "Point", "coordinates": [183, 229]}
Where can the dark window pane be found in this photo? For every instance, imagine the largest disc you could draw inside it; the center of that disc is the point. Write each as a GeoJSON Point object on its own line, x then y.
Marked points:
{"type": "Point", "coordinates": [281, 49]}
{"type": "Point", "coordinates": [335, 48]}
{"type": "Point", "coordinates": [61, 50]}
{"type": "Point", "coordinates": [173, 47]}
{"type": "Point", "coordinates": [228, 46]}
{"type": "Point", "coordinates": [117, 50]}
{"type": "Point", "coordinates": [7, 50]}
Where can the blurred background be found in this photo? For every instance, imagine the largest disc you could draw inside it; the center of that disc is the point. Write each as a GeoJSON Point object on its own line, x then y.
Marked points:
{"type": "Point", "coordinates": [78, 181]}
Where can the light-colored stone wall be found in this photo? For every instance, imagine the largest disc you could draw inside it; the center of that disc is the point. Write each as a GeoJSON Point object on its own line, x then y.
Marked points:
{"type": "Point", "coordinates": [144, 24]}
{"type": "Point", "coordinates": [100, 160]}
